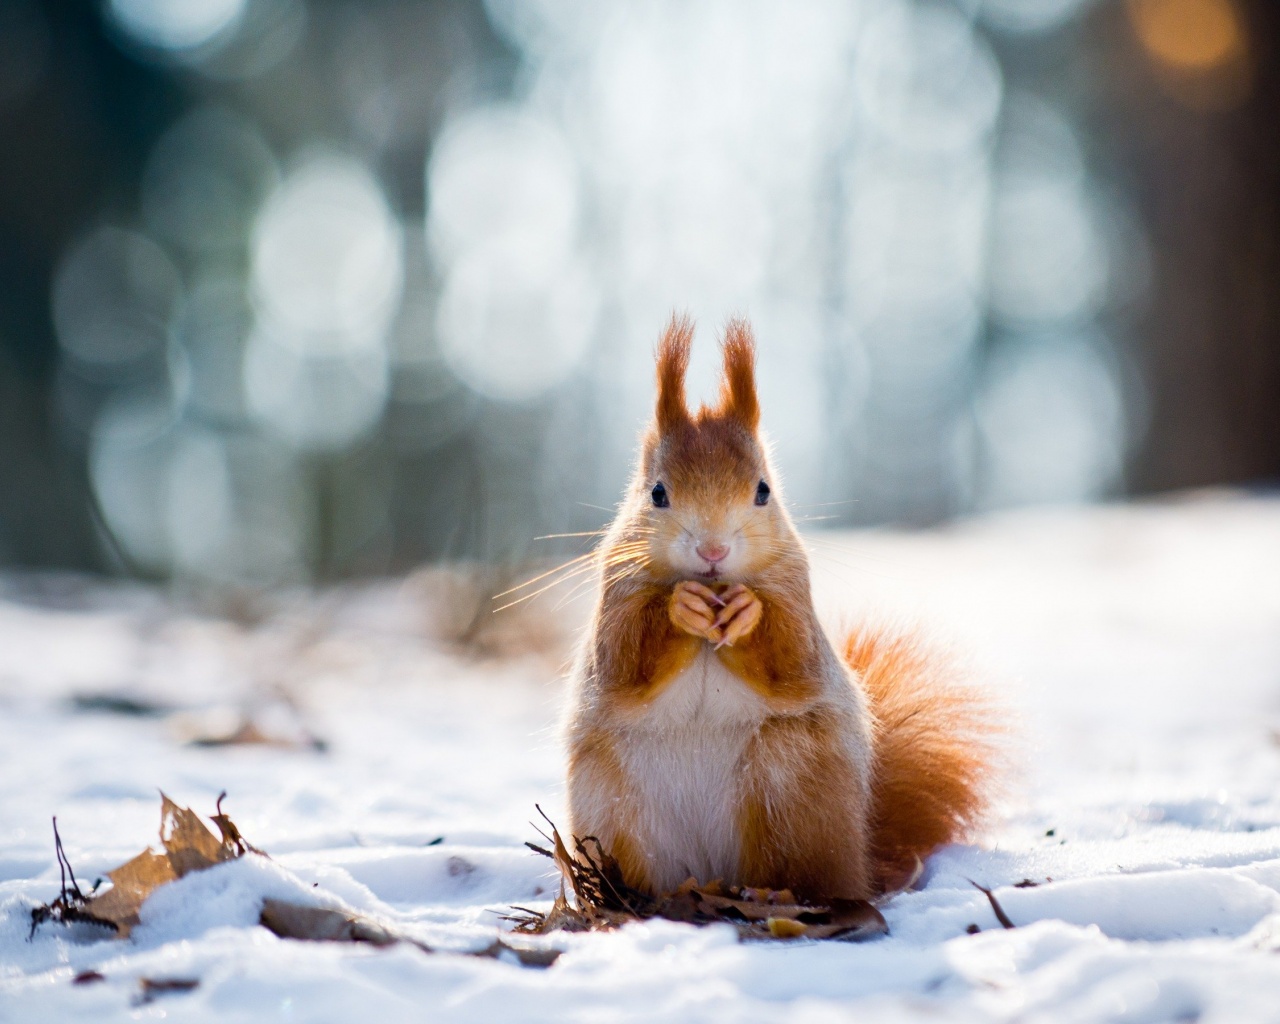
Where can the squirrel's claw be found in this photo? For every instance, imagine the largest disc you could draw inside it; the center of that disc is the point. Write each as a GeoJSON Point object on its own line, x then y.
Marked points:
{"type": "Point", "coordinates": [690, 610]}
{"type": "Point", "coordinates": [740, 615]}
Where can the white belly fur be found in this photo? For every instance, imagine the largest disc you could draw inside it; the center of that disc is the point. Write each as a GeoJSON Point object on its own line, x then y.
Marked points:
{"type": "Point", "coordinates": [682, 758]}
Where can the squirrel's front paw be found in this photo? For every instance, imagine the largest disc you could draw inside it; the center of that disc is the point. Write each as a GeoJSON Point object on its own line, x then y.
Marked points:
{"type": "Point", "coordinates": [693, 608]}
{"type": "Point", "coordinates": [739, 616]}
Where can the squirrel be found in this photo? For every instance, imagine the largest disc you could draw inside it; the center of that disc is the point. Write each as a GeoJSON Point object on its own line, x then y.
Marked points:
{"type": "Point", "coordinates": [715, 730]}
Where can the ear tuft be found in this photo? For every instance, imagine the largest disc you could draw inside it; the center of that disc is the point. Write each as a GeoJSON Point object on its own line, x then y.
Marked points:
{"type": "Point", "coordinates": [673, 362]}
{"type": "Point", "coordinates": [738, 391]}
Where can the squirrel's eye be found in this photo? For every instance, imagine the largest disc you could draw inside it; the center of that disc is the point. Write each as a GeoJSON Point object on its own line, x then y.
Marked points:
{"type": "Point", "coordinates": [660, 495]}
{"type": "Point", "coordinates": [762, 493]}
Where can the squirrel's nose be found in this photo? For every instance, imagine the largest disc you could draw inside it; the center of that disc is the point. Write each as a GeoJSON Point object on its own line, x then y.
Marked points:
{"type": "Point", "coordinates": [713, 551]}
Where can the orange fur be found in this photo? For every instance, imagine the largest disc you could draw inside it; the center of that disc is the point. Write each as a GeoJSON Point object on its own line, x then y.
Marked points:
{"type": "Point", "coordinates": [803, 826]}
{"type": "Point", "coordinates": [645, 649]}
{"type": "Point", "coordinates": [745, 743]}
{"type": "Point", "coordinates": [673, 363]}
{"type": "Point", "coordinates": [777, 658]}
{"type": "Point", "coordinates": [935, 749]}
{"type": "Point", "coordinates": [593, 762]}
{"type": "Point", "coordinates": [738, 395]}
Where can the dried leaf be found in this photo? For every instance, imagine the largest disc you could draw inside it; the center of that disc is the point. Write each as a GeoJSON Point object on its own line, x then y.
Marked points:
{"type": "Point", "coordinates": [189, 843]}
{"type": "Point", "coordinates": [231, 837]}
{"type": "Point", "coordinates": [524, 955]}
{"type": "Point", "coordinates": [748, 910]}
{"type": "Point", "coordinates": [324, 924]}
{"type": "Point", "coordinates": [131, 883]}
{"type": "Point", "coordinates": [601, 900]}
{"type": "Point", "coordinates": [758, 895]}
{"type": "Point", "coordinates": [249, 734]}
{"type": "Point", "coordinates": [118, 704]}
{"type": "Point", "coordinates": [849, 920]}
{"type": "Point", "coordinates": [785, 928]}
{"type": "Point", "coordinates": [321, 924]}
{"type": "Point", "coordinates": [152, 987]}
{"type": "Point", "coordinates": [188, 846]}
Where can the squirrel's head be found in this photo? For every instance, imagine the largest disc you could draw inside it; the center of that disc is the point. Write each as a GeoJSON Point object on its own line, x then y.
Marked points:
{"type": "Point", "coordinates": [704, 500]}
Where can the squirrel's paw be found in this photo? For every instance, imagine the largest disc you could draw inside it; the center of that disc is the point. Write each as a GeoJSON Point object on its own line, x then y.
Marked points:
{"type": "Point", "coordinates": [739, 616]}
{"type": "Point", "coordinates": [693, 609]}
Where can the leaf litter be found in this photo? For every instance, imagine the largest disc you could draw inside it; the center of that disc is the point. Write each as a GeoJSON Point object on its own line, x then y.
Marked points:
{"type": "Point", "coordinates": [593, 897]}
{"type": "Point", "coordinates": [187, 846]}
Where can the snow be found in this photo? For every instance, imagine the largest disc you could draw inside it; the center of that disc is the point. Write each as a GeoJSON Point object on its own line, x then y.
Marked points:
{"type": "Point", "coordinates": [1137, 647]}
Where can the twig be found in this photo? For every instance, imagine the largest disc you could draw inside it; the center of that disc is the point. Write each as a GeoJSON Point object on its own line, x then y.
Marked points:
{"type": "Point", "coordinates": [1001, 916]}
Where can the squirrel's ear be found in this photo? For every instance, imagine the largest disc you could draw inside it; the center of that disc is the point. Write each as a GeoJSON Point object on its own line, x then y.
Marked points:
{"type": "Point", "coordinates": [673, 361]}
{"type": "Point", "coordinates": [738, 391]}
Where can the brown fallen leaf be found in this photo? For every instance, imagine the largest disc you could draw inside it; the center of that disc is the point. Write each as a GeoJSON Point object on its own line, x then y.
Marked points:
{"type": "Point", "coordinates": [131, 883]}
{"type": "Point", "coordinates": [321, 924]}
{"type": "Point", "coordinates": [119, 704]}
{"type": "Point", "coordinates": [249, 734]}
{"type": "Point", "coordinates": [188, 846]}
{"type": "Point", "coordinates": [785, 927]}
{"type": "Point", "coordinates": [593, 895]}
{"type": "Point", "coordinates": [188, 842]}
{"type": "Point", "coordinates": [152, 987]}
{"type": "Point", "coordinates": [526, 956]}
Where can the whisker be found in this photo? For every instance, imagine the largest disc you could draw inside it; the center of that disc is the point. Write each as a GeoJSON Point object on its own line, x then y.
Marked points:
{"type": "Point", "coordinates": [578, 588]}
{"type": "Point", "coordinates": [541, 590]}
{"type": "Point", "coordinates": [543, 576]}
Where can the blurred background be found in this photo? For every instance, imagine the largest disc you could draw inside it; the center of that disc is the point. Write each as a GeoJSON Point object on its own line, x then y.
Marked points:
{"type": "Point", "coordinates": [298, 290]}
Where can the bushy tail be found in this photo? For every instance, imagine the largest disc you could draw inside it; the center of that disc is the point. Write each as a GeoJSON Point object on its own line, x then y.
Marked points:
{"type": "Point", "coordinates": [936, 750]}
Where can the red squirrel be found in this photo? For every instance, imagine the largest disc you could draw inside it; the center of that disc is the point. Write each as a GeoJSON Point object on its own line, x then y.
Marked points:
{"type": "Point", "coordinates": [716, 730]}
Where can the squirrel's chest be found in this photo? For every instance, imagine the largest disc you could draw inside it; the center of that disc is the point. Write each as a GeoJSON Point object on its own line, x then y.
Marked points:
{"type": "Point", "coordinates": [683, 760]}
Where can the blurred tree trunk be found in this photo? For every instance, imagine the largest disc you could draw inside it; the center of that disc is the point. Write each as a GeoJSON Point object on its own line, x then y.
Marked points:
{"type": "Point", "coordinates": [1207, 186]}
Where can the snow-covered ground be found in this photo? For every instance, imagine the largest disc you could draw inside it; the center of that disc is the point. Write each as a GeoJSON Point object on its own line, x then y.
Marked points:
{"type": "Point", "coordinates": [1138, 646]}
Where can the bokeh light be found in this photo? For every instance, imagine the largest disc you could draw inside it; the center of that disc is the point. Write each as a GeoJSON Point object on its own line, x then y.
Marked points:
{"type": "Point", "coordinates": [363, 299]}
{"type": "Point", "coordinates": [210, 335]}
{"type": "Point", "coordinates": [176, 24]}
{"type": "Point", "coordinates": [319, 400]}
{"type": "Point", "coordinates": [1051, 418]}
{"type": "Point", "coordinates": [235, 508]}
{"type": "Point", "coordinates": [205, 179]}
{"type": "Point", "coordinates": [517, 306]}
{"type": "Point", "coordinates": [502, 179]}
{"type": "Point", "coordinates": [1192, 35]}
{"type": "Point", "coordinates": [1028, 17]}
{"type": "Point", "coordinates": [128, 459]}
{"type": "Point", "coordinates": [924, 79]}
{"type": "Point", "coordinates": [327, 261]}
{"type": "Point", "coordinates": [113, 297]}
{"type": "Point", "coordinates": [1049, 260]}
